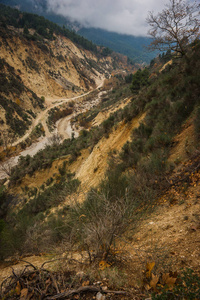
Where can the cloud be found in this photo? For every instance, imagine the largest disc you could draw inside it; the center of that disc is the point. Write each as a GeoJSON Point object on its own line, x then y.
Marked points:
{"type": "Point", "coordinates": [122, 16]}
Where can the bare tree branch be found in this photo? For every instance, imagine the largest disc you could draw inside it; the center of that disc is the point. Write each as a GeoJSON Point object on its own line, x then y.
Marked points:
{"type": "Point", "coordinates": [175, 27]}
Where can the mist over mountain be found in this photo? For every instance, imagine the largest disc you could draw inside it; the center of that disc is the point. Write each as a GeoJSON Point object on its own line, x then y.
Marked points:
{"type": "Point", "coordinates": [130, 45]}
{"type": "Point", "coordinates": [40, 7]}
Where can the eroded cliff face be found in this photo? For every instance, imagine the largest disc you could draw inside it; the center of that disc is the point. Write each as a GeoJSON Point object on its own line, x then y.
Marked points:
{"type": "Point", "coordinates": [50, 69]}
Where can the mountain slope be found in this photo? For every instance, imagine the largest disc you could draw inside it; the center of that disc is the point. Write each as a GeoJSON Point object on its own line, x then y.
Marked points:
{"type": "Point", "coordinates": [40, 59]}
{"type": "Point", "coordinates": [120, 197]}
{"type": "Point", "coordinates": [131, 46]}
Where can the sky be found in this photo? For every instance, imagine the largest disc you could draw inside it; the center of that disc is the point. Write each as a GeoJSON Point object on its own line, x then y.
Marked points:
{"type": "Point", "coordinates": [122, 16]}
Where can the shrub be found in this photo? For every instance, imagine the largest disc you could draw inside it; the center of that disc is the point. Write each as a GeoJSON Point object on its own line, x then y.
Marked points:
{"type": "Point", "coordinates": [155, 163]}
{"type": "Point", "coordinates": [62, 170]}
{"type": "Point", "coordinates": [55, 114]}
{"type": "Point", "coordinates": [131, 152]}
{"type": "Point", "coordinates": [51, 196]}
{"type": "Point", "coordinates": [99, 221]}
{"type": "Point", "coordinates": [140, 79]}
{"type": "Point", "coordinates": [31, 63]}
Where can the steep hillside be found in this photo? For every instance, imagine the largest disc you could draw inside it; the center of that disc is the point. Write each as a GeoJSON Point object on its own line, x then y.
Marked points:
{"type": "Point", "coordinates": [42, 61]}
{"type": "Point", "coordinates": [120, 196]}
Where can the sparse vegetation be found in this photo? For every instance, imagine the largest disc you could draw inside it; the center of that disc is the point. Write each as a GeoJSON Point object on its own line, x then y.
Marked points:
{"type": "Point", "coordinates": [14, 235]}
{"type": "Point", "coordinates": [55, 114]}
{"type": "Point", "coordinates": [13, 87]}
{"type": "Point", "coordinates": [135, 179]}
{"type": "Point", "coordinates": [166, 109]}
{"type": "Point", "coordinates": [99, 222]}
{"type": "Point", "coordinates": [37, 132]}
{"type": "Point", "coordinates": [31, 63]}
{"type": "Point", "coordinates": [168, 101]}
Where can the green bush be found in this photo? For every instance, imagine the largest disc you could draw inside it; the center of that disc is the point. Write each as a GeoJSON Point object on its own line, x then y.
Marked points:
{"type": "Point", "coordinates": [51, 196]}
{"type": "Point", "coordinates": [43, 99]}
{"type": "Point", "coordinates": [62, 170]}
{"type": "Point", "coordinates": [154, 164]}
{"type": "Point", "coordinates": [13, 235]}
{"type": "Point", "coordinates": [139, 80]}
{"type": "Point", "coordinates": [131, 152]}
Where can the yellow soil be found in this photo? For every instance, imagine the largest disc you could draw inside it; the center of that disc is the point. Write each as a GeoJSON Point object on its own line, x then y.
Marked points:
{"type": "Point", "coordinates": [18, 266]}
{"type": "Point", "coordinates": [165, 65]}
{"type": "Point", "coordinates": [41, 82]}
{"type": "Point", "coordinates": [91, 170]}
{"type": "Point", "coordinates": [55, 77]}
{"type": "Point", "coordinates": [169, 236]}
{"type": "Point", "coordinates": [184, 144]}
{"type": "Point", "coordinates": [103, 115]}
{"type": "Point", "coordinates": [40, 177]}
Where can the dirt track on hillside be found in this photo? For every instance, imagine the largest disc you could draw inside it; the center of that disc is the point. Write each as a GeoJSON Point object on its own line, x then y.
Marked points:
{"type": "Point", "coordinates": [43, 115]}
{"type": "Point", "coordinates": [63, 126]}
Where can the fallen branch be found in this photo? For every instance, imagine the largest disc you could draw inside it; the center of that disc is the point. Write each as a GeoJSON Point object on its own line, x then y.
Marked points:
{"type": "Point", "coordinates": [29, 264]}
{"type": "Point", "coordinates": [50, 261]}
{"type": "Point", "coordinates": [84, 289]}
{"type": "Point", "coordinates": [44, 284]}
{"type": "Point", "coordinates": [54, 282]}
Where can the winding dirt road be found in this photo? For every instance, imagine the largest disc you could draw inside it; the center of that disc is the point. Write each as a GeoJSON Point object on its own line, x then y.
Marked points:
{"type": "Point", "coordinates": [63, 126]}
{"type": "Point", "coordinates": [43, 115]}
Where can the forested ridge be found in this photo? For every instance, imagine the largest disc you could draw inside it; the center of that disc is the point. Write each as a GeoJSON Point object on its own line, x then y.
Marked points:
{"type": "Point", "coordinates": [42, 26]}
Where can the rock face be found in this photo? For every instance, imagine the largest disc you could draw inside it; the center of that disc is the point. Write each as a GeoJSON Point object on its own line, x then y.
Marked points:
{"type": "Point", "coordinates": [99, 296]}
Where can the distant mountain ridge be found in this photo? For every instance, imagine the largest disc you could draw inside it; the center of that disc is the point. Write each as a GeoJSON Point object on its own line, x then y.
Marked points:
{"type": "Point", "coordinates": [131, 46]}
